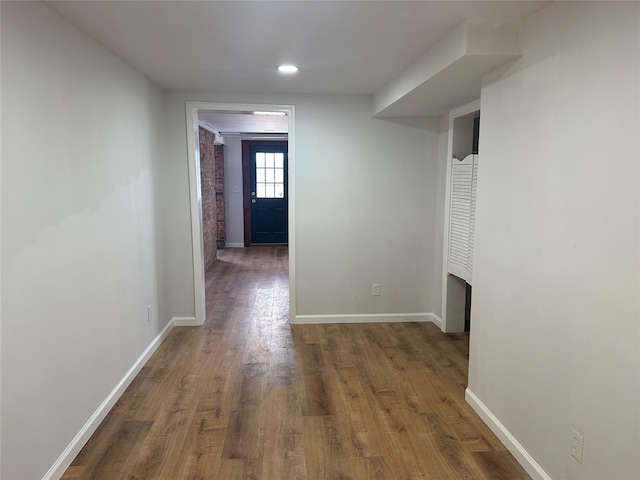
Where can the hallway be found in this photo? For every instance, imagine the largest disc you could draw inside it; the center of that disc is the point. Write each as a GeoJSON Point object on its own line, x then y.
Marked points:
{"type": "Point", "coordinates": [247, 396]}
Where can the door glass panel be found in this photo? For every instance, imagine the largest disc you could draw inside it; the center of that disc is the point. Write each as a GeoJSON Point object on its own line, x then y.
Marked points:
{"type": "Point", "coordinates": [270, 191]}
{"type": "Point", "coordinates": [268, 160]}
{"type": "Point", "coordinates": [269, 173]}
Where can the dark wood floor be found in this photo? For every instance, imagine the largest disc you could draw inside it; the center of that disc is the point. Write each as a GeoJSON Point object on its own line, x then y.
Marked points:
{"type": "Point", "coordinates": [247, 396]}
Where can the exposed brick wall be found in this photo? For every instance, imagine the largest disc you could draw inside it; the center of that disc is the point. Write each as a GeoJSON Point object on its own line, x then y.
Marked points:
{"type": "Point", "coordinates": [207, 185]}
{"type": "Point", "coordinates": [219, 188]}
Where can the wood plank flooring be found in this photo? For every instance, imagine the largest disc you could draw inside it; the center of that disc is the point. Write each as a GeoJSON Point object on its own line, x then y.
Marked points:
{"type": "Point", "coordinates": [247, 396]}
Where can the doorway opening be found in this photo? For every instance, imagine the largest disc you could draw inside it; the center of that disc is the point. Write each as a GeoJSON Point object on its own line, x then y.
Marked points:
{"type": "Point", "coordinates": [213, 115]}
{"type": "Point", "coordinates": [462, 167]}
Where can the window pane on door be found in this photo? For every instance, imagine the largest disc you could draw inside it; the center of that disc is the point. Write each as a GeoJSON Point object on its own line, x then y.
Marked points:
{"type": "Point", "coordinates": [269, 173]}
{"type": "Point", "coordinates": [270, 191]}
{"type": "Point", "coordinates": [268, 160]}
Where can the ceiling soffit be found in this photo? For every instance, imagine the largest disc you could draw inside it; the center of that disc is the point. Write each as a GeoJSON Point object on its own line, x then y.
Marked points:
{"type": "Point", "coordinates": [450, 73]}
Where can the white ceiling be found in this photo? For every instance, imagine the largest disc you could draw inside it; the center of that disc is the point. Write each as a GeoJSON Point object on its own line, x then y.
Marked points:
{"type": "Point", "coordinates": [341, 47]}
{"type": "Point", "coordinates": [226, 122]}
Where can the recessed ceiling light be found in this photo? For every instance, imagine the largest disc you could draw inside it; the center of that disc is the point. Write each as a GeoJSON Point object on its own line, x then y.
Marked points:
{"type": "Point", "coordinates": [287, 69]}
{"type": "Point", "coordinates": [270, 113]}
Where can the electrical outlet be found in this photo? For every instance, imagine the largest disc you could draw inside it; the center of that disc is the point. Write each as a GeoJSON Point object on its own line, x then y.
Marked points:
{"type": "Point", "coordinates": [577, 442]}
{"type": "Point", "coordinates": [235, 189]}
{"type": "Point", "coordinates": [148, 313]}
{"type": "Point", "coordinates": [375, 289]}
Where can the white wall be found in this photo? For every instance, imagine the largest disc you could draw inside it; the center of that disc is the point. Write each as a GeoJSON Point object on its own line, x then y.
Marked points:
{"type": "Point", "coordinates": [555, 330]}
{"type": "Point", "coordinates": [233, 207]}
{"type": "Point", "coordinates": [365, 207]}
{"type": "Point", "coordinates": [81, 133]}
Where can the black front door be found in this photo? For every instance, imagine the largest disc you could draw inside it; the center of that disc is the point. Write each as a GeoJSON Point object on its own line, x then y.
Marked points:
{"type": "Point", "coordinates": [268, 184]}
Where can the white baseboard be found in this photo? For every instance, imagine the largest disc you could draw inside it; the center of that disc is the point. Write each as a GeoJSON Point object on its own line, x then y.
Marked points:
{"type": "Point", "coordinates": [437, 320]}
{"type": "Point", "coordinates": [64, 460]}
{"type": "Point", "coordinates": [184, 322]}
{"type": "Point", "coordinates": [366, 318]}
{"type": "Point", "coordinates": [234, 245]}
{"type": "Point", "coordinates": [517, 450]}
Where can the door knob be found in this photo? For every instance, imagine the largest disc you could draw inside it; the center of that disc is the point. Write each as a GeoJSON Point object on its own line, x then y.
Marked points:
{"type": "Point", "coordinates": [253, 201]}
{"type": "Point", "coordinates": [253, 194]}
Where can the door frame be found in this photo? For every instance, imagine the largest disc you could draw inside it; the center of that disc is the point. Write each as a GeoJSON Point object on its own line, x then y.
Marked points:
{"type": "Point", "coordinates": [246, 180]}
{"type": "Point", "coordinates": [195, 196]}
